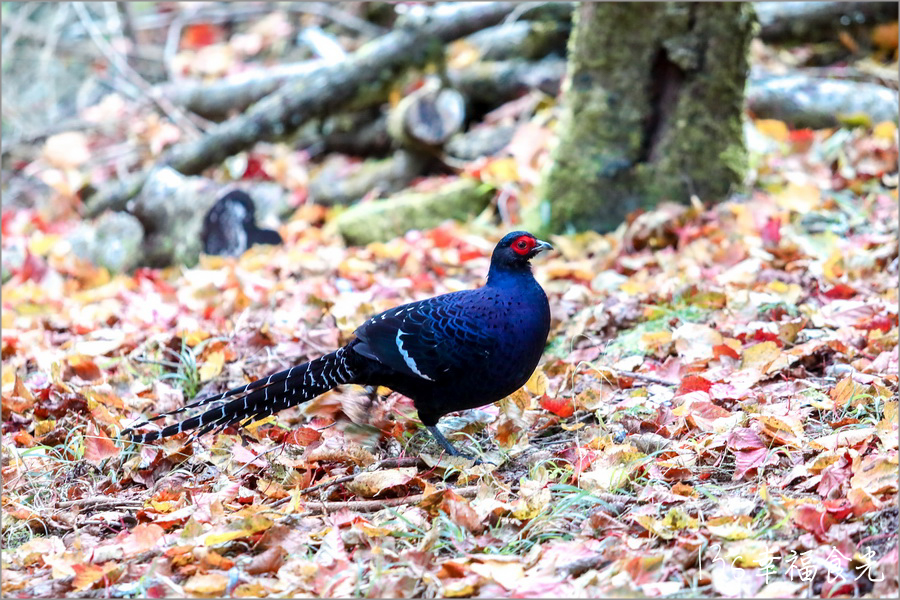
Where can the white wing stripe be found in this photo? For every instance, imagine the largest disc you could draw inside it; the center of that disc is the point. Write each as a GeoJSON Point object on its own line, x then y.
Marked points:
{"type": "Point", "coordinates": [408, 359]}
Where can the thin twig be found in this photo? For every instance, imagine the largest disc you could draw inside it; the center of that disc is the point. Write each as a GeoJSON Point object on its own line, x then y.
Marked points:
{"type": "Point", "coordinates": [644, 377]}
{"type": "Point", "coordinates": [132, 76]}
{"type": "Point", "coordinates": [99, 501]}
{"type": "Point", "coordinates": [376, 505]}
{"type": "Point", "coordinates": [388, 463]}
{"type": "Point", "coordinates": [249, 462]}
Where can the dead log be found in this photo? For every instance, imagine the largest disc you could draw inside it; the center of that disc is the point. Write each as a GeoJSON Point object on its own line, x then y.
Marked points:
{"type": "Point", "coordinates": [528, 40]}
{"type": "Point", "coordinates": [324, 91]}
{"type": "Point", "coordinates": [219, 100]}
{"type": "Point", "coordinates": [334, 185]}
{"type": "Point", "coordinates": [817, 103]}
{"type": "Point", "coordinates": [173, 209]}
{"type": "Point", "coordinates": [493, 83]}
{"type": "Point", "coordinates": [802, 22]}
{"type": "Point", "coordinates": [428, 117]}
{"type": "Point", "coordinates": [483, 140]}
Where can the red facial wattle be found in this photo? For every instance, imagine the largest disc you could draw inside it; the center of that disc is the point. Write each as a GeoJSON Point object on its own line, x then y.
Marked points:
{"type": "Point", "coordinates": [524, 245]}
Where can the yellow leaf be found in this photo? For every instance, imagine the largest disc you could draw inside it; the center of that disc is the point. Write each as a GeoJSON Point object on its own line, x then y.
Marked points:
{"type": "Point", "coordinates": [537, 383]}
{"type": "Point", "coordinates": [773, 128]}
{"type": "Point", "coordinates": [666, 528]}
{"type": "Point", "coordinates": [192, 338]}
{"type": "Point", "coordinates": [731, 528]}
{"type": "Point", "coordinates": [213, 365]}
{"type": "Point", "coordinates": [239, 529]}
{"type": "Point", "coordinates": [833, 268]}
{"type": "Point", "coordinates": [163, 507]}
{"type": "Point", "coordinates": [885, 130]}
{"type": "Point", "coordinates": [654, 340]}
{"type": "Point", "coordinates": [210, 584]}
{"type": "Point", "coordinates": [760, 356]}
{"type": "Point", "coordinates": [876, 474]}
{"type": "Point", "coordinates": [41, 244]}
{"type": "Point", "coordinates": [784, 429]}
{"type": "Point", "coordinates": [749, 553]}
{"type": "Point", "coordinates": [800, 198]}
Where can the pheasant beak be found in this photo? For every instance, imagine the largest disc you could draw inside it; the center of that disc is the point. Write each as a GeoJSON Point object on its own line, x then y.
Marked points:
{"type": "Point", "coordinates": [541, 246]}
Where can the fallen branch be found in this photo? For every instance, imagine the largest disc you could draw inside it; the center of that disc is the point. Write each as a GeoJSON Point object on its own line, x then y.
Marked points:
{"type": "Point", "coordinates": [644, 377]}
{"type": "Point", "coordinates": [817, 103]}
{"type": "Point", "coordinates": [818, 21]}
{"type": "Point", "coordinates": [529, 40]}
{"type": "Point", "coordinates": [388, 463]}
{"type": "Point", "coordinates": [333, 185]}
{"type": "Point", "coordinates": [493, 83]}
{"type": "Point", "coordinates": [99, 501]}
{"type": "Point", "coordinates": [375, 66]}
{"type": "Point", "coordinates": [376, 505]}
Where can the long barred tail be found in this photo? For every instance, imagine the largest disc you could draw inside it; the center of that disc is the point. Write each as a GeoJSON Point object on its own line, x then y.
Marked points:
{"type": "Point", "coordinates": [257, 399]}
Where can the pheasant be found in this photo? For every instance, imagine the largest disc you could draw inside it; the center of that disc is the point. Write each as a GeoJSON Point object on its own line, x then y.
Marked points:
{"type": "Point", "coordinates": [447, 353]}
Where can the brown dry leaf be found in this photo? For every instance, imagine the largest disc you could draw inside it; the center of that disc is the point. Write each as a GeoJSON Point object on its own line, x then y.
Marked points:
{"type": "Point", "coordinates": [534, 497]}
{"type": "Point", "coordinates": [785, 429]}
{"type": "Point", "coordinates": [98, 446]}
{"type": "Point", "coordinates": [887, 427]}
{"type": "Point", "coordinates": [371, 483]}
{"type": "Point", "coordinates": [336, 450]}
{"type": "Point", "coordinates": [268, 561]}
{"type": "Point", "coordinates": [876, 474]}
{"type": "Point", "coordinates": [841, 439]}
{"type": "Point", "coordinates": [88, 575]}
{"type": "Point", "coordinates": [455, 507]}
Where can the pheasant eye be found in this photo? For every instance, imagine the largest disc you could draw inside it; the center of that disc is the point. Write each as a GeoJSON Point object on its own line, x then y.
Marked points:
{"type": "Point", "coordinates": [522, 246]}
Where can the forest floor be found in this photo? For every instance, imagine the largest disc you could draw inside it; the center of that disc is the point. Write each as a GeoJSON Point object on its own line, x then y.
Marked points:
{"type": "Point", "coordinates": [716, 411]}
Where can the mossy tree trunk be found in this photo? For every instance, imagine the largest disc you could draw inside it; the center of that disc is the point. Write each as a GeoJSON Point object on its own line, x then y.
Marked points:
{"type": "Point", "coordinates": [652, 111]}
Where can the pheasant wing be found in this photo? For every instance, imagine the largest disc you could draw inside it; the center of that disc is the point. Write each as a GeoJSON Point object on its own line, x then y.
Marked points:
{"type": "Point", "coordinates": [431, 339]}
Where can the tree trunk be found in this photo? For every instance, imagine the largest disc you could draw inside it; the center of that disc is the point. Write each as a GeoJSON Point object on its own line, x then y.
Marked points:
{"type": "Point", "coordinates": [652, 111]}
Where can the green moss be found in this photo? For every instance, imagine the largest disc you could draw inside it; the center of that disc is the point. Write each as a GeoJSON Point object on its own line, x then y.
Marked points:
{"type": "Point", "coordinates": [385, 219]}
{"type": "Point", "coordinates": [611, 159]}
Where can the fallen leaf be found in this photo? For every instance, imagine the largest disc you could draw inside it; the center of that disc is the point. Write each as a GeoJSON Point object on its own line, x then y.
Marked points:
{"type": "Point", "coordinates": [98, 446]}
{"type": "Point", "coordinates": [507, 574]}
{"type": "Point", "coordinates": [369, 484]}
{"type": "Point", "coordinates": [849, 437]}
{"type": "Point", "coordinates": [142, 538]}
{"type": "Point", "coordinates": [212, 366]}
{"type": "Point", "coordinates": [876, 474]}
{"type": "Point", "coordinates": [209, 585]}
{"type": "Point", "coordinates": [239, 529]}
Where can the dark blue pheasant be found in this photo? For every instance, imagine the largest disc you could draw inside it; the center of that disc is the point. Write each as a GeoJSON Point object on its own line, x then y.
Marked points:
{"type": "Point", "coordinates": [447, 353]}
